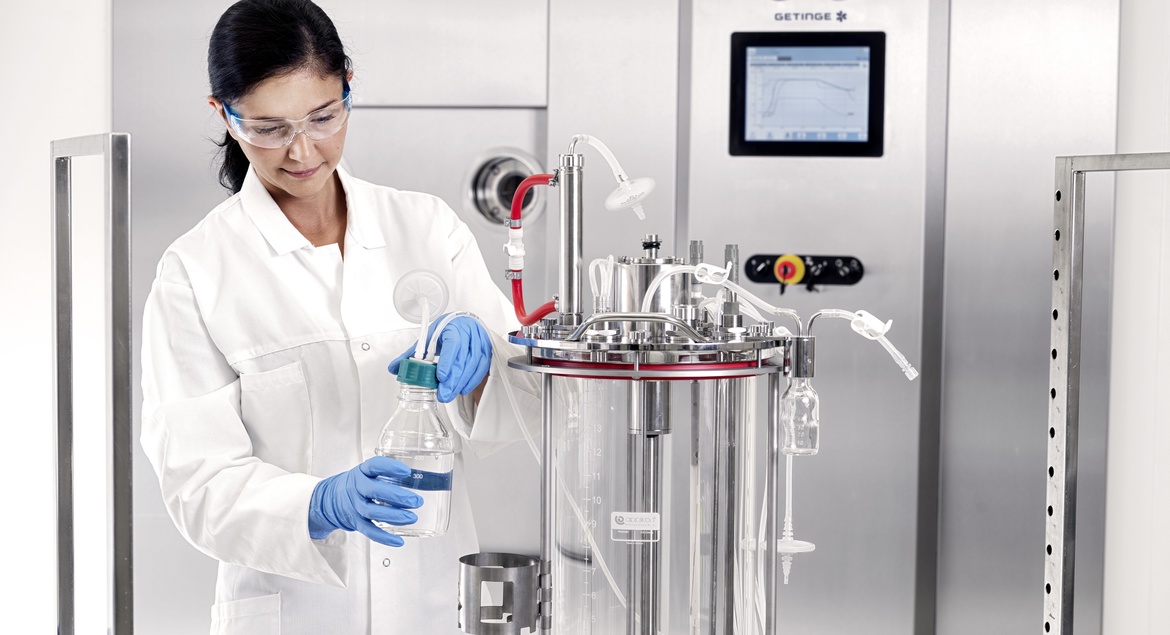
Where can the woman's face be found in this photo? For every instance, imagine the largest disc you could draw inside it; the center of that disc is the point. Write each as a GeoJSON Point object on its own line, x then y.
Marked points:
{"type": "Point", "coordinates": [304, 167]}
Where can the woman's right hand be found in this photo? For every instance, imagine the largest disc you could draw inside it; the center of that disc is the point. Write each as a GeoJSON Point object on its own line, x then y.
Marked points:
{"type": "Point", "coordinates": [347, 501]}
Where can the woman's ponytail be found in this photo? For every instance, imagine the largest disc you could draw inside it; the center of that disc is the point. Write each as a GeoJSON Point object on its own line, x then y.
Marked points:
{"type": "Point", "coordinates": [234, 164]}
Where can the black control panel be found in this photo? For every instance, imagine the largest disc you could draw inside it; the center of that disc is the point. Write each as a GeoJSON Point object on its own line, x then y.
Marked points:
{"type": "Point", "coordinates": [810, 271]}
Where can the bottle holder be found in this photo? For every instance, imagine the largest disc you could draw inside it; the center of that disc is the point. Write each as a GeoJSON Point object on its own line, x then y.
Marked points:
{"type": "Point", "coordinates": [513, 581]}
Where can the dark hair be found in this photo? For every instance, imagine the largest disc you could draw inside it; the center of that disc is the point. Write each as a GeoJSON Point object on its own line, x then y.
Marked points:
{"type": "Point", "coordinates": [256, 40]}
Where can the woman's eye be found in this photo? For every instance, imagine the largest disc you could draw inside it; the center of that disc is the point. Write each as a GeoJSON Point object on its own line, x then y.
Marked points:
{"type": "Point", "coordinates": [267, 130]}
{"type": "Point", "coordinates": [323, 118]}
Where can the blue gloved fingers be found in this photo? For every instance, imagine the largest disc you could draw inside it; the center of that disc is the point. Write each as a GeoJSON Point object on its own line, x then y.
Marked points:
{"type": "Point", "coordinates": [466, 360]}
{"type": "Point", "coordinates": [474, 371]}
{"type": "Point", "coordinates": [377, 534]}
{"type": "Point", "coordinates": [485, 362]}
{"type": "Point", "coordinates": [389, 493]}
{"type": "Point", "coordinates": [376, 466]}
{"type": "Point", "coordinates": [479, 351]}
{"type": "Point", "coordinates": [450, 350]}
{"type": "Point", "coordinates": [370, 510]}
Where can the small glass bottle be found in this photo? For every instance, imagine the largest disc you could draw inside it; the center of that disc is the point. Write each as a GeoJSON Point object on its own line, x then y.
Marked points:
{"type": "Point", "coordinates": [800, 415]}
{"type": "Point", "coordinates": [415, 435]}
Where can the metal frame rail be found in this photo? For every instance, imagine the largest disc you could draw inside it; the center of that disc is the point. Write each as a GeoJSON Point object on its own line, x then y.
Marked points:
{"type": "Point", "coordinates": [115, 147]}
{"type": "Point", "coordinates": [1064, 402]}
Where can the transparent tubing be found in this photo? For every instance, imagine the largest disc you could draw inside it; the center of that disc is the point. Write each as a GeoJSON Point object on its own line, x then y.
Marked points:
{"type": "Point", "coordinates": [433, 346]}
{"type": "Point", "coordinates": [711, 274]}
{"type": "Point", "coordinates": [420, 346]}
{"type": "Point", "coordinates": [869, 327]}
{"type": "Point", "coordinates": [618, 172]}
{"type": "Point", "coordinates": [601, 288]}
{"type": "Point", "coordinates": [630, 192]}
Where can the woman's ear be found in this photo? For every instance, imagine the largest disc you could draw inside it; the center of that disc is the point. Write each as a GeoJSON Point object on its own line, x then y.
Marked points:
{"type": "Point", "coordinates": [217, 106]}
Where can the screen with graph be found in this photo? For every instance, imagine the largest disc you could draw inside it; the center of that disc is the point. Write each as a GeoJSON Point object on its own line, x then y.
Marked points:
{"type": "Point", "coordinates": [807, 94]}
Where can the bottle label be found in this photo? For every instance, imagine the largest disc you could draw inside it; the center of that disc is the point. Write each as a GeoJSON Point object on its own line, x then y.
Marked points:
{"type": "Point", "coordinates": [634, 526]}
{"type": "Point", "coordinates": [422, 480]}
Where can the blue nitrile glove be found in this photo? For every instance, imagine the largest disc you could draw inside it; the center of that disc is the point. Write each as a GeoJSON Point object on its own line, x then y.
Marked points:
{"type": "Point", "coordinates": [465, 353]}
{"type": "Point", "coordinates": [346, 501]}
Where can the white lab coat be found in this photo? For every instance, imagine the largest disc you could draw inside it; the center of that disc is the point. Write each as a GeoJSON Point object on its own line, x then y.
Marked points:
{"type": "Point", "coordinates": [264, 370]}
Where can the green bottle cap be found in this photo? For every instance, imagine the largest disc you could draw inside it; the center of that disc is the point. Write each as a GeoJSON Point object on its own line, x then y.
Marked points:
{"type": "Point", "coordinates": [418, 373]}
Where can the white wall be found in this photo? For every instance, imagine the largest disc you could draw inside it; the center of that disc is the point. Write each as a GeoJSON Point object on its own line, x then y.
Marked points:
{"type": "Point", "coordinates": [57, 80]}
{"type": "Point", "coordinates": [1136, 552]}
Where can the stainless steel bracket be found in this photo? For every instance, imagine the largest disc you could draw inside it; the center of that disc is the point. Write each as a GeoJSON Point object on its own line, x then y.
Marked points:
{"type": "Point", "coordinates": [115, 147]}
{"type": "Point", "coordinates": [1065, 376]}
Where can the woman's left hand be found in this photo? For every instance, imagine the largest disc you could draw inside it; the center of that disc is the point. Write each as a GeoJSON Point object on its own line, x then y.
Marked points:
{"type": "Point", "coordinates": [465, 355]}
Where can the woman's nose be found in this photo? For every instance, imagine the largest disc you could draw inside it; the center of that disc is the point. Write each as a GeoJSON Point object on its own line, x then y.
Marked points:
{"type": "Point", "coordinates": [301, 147]}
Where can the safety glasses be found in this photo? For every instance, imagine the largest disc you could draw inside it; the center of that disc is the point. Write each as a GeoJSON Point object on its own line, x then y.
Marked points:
{"type": "Point", "coordinates": [277, 133]}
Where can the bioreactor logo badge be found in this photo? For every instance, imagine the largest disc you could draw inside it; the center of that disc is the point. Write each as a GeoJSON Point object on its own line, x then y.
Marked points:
{"type": "Point", "coordinates": [811, 16]}
{"type": "Point", "coordinates": [634, 526]}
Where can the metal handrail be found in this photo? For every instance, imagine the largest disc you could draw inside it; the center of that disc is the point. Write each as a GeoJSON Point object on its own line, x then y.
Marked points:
{"type": "Point", "coordinates": [115, 147]}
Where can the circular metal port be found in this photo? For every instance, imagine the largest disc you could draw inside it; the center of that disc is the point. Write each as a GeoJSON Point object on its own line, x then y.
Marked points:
{"type": "Point", "coordinates": [493, 182]}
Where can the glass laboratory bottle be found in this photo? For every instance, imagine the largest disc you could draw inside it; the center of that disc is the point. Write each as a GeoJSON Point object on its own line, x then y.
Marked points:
{"type": "Point", "coordinates": [800, 415]}
{"type": "Point", "coordinates": [417, 436]}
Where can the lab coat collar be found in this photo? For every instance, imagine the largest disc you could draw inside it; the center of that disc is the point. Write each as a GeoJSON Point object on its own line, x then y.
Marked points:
{"type": "Point", "coordinates": [284, 238]}
{"type": "Point", "coordinates": [361, 207]}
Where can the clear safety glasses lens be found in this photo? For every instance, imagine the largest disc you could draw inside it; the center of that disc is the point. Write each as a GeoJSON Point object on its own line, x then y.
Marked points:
{"type": "Point", "coordinates": [277, 133]}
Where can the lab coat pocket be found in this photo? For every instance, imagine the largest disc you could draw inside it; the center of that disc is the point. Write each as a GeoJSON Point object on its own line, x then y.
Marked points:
{"type": "Point", "coordinates": [274, 406]}
{"type": "Point", "coordinates": [250, 616]}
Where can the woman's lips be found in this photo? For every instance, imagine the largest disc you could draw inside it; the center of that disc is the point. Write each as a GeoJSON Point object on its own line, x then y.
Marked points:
{"type": "Point", "coordinates": [303, 174]}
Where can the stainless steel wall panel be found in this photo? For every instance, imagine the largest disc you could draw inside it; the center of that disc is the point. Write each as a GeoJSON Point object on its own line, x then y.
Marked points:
{"type": "Point", "coordinates": [454, 53]}
{"type": "Point", "coordinates": [434, 150]}
{"type": "Point", "coordinates": [857, 499]}
{"type": "Point", "coordinates": [1028, 82]}
{"type": "Point", "coordinates": [613, 74]}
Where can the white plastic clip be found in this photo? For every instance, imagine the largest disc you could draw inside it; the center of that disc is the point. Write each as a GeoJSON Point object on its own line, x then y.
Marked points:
{"type": "Point", "coordinates": [710, 274]}
{"type": "Point", "coordinates": [868, 325]}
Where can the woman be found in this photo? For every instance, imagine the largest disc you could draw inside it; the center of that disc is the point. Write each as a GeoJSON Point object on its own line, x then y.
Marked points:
{"type": "Point", "coordinates": [267, 335]}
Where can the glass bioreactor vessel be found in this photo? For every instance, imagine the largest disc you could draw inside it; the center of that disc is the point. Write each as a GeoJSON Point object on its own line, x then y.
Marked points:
{"type": "Point", "coordinates": [661, 511]}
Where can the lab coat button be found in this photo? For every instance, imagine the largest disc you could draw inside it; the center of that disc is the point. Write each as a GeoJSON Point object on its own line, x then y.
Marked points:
{"type": "Point", "coordinates": [386, 562]}
{"type": "Point", "coordinates": [365, 346]}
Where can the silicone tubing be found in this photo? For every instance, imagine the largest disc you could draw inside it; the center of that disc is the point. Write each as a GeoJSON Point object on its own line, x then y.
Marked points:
{"type": "Point", "coordinates": [721, 280]}
{"type": "Point", "coordinates": [518, 304]}
{"type": "Point", "coordinates": [518, 284]}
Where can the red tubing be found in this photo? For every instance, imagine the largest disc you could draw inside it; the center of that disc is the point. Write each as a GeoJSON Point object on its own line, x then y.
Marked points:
{"type": "Point", "coordinates": [518, 304]}
{"type": "Point", "coordinates": [517, 283]}
{"type": "Point", "coordinates": [522, 189]}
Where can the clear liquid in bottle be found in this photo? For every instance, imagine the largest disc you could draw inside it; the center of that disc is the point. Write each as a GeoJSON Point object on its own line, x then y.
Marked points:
{"type": "Point", "coordinates": [417, 436]}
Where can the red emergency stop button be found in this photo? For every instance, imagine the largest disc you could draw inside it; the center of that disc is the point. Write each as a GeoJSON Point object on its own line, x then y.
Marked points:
{"type": "Point", "coordinates": [789, 269]}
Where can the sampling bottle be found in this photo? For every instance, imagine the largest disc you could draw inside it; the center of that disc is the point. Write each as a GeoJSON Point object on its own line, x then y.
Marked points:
{"type": "Point", "coordinates": [800, 416]}
{"type": "Point", "coordinates": [417, 436]}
